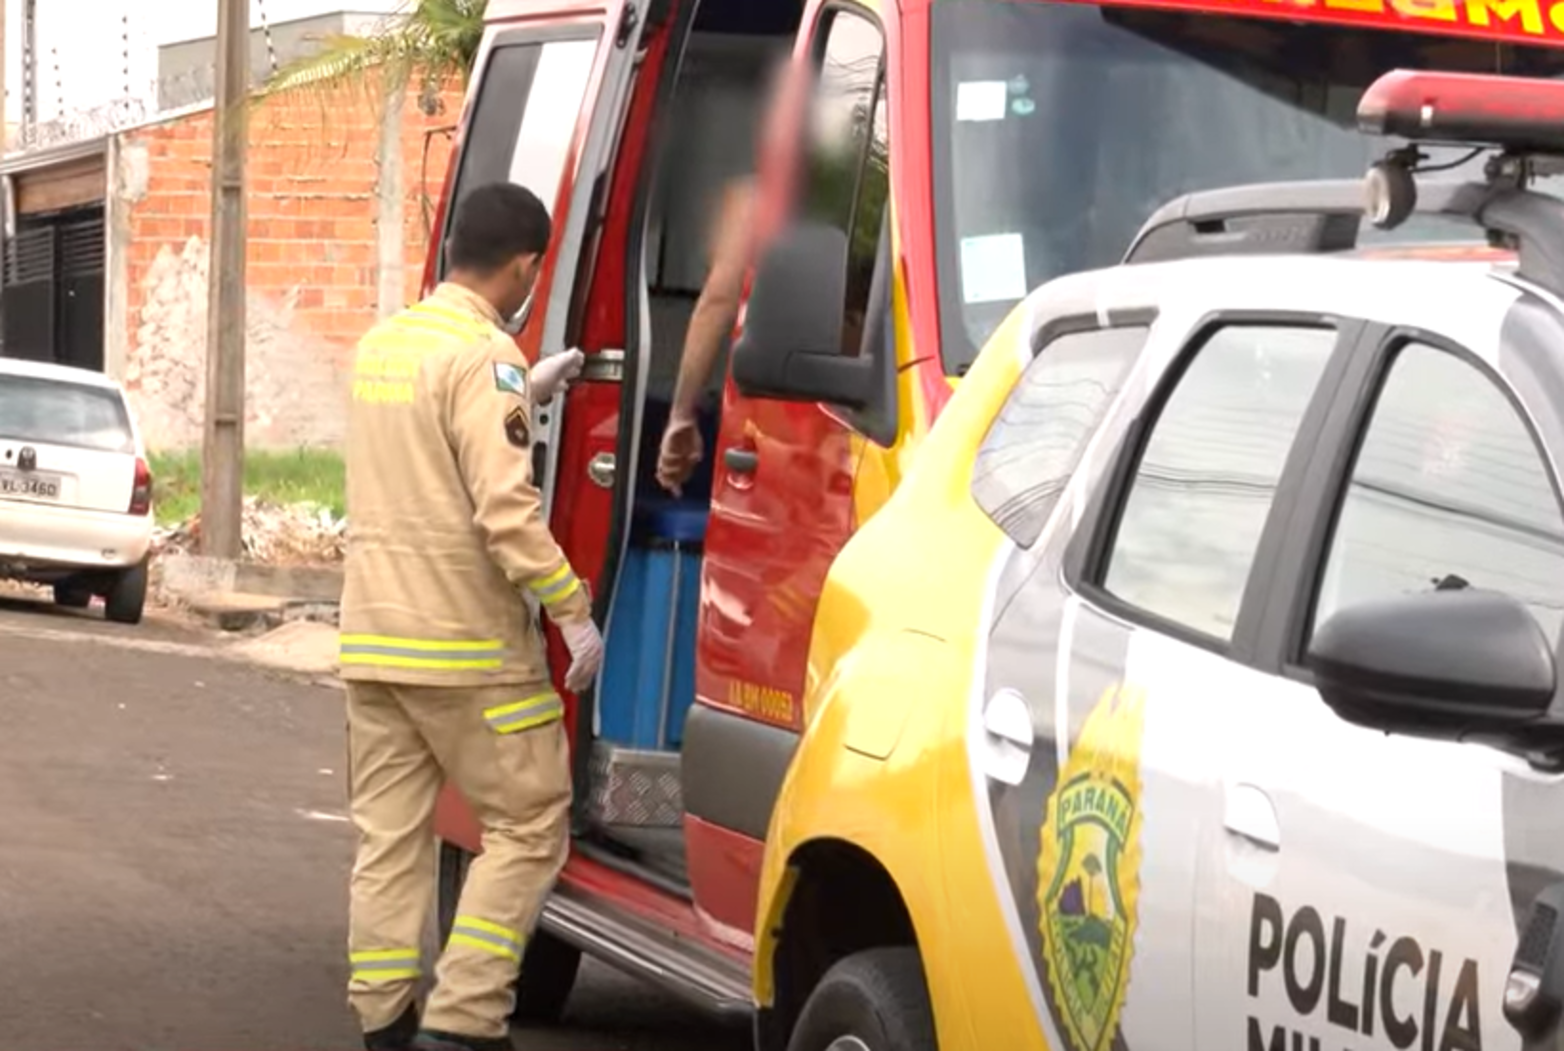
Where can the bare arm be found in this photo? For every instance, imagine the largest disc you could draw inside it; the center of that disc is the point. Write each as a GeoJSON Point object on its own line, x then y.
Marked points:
{"type": "Point", "coordinates": [717, 309]}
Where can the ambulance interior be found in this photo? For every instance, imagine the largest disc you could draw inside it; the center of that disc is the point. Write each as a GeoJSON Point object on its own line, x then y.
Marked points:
{"type": "Point", "coordinates": [648, 681]}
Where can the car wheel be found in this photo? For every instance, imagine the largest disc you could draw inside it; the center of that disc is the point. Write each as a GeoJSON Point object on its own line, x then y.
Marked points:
{"type": "Point", "coordinates": [875, 1000]}
{"type": "Point", "coordinates": [548, 966]}
{"type": "Point", "coordinates": [72, 595]}
{"type": "Point", "coordinates": [127, 596]}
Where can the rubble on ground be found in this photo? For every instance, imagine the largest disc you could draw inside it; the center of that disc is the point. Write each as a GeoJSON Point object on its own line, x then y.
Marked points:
{"type": "Point", "coordinates": [276, 534]}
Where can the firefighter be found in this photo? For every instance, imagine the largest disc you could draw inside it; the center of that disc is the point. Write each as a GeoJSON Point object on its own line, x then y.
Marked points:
{"type": "Point", "coordinates": [444, 662]}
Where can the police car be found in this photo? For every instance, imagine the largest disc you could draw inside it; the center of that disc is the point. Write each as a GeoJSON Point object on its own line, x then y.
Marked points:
{"type": "Point", "coordinates": [1258, 744]}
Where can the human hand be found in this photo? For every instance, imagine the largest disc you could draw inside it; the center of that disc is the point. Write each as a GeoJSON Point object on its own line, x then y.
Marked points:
{"type": "Point", "coordinates": [553, 374]}
{"type": "Point", "coordinates": [585, 643]}
{"type": "Point", "coordinates": [681, 450]}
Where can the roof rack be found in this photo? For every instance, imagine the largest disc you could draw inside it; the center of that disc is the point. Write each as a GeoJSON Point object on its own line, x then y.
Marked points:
{"type": "Point", "coordinates": [1518, 118]}
{"type": "Point", "coordinates": [1287, 217]}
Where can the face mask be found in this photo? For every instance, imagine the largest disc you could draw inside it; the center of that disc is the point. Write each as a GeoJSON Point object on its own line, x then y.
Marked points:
{"type": "Point", "coordinates": [518, 321]}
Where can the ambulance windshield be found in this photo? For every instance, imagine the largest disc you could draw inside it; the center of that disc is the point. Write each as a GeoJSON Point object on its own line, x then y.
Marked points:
{"type": "Point", "coordinates": [1060, 127]}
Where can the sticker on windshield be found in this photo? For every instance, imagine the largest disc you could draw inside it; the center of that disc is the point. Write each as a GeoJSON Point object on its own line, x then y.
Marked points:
{"type": "Point", "coordinates": [982, 100]}
{"type": "Point", "coordinates": [993, 268]}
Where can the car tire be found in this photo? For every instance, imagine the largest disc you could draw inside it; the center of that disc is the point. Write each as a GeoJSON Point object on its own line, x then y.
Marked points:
{"type": "Point", "coordinates": [878, 998]}
{"type": "Point", "coordinates": [548, 966]}
{"type": "Point", "coordinates": [71, 595]}
{"type": "Point", "coordinates": [127, 596]}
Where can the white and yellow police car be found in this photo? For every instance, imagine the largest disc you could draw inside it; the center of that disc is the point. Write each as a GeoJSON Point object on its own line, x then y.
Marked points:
{"type": "Point", "coordinates": [1222, 711]}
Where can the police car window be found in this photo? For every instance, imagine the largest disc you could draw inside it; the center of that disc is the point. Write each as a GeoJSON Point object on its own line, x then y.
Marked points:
{"type": "Point", "coordinates": [1448, 490]}
{"type": "Point", "coordinates": [1034, 443]}
{"type": "Point", "coordinates": [1197, 504]}
{"type": "Point", "coordinates": [528, 103]}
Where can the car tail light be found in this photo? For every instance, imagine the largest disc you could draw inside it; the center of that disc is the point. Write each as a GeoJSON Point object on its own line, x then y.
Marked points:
{"type": "Point", "coordinates": [1517, 113]}
{"type": "Point", "coordinates": [141, 490]}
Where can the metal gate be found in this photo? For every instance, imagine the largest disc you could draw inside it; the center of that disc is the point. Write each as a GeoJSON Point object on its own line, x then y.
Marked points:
{"type": "Point", "coordinates": [28, 295]}
{"type": "Point", "coordinates": [53, 288]}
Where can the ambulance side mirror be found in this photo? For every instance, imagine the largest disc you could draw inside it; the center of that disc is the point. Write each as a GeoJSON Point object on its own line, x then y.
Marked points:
{"type": "Point", "coordinates": [1467, 664]}
{"type": "Point", "coordinates": [790, 348]}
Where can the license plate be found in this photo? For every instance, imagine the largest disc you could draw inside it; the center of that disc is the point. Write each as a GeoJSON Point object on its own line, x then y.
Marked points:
{"type": "Point", "coordinates": [30, 485]}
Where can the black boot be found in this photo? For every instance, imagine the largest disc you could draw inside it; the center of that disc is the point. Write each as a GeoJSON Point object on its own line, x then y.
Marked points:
{"type": "Point", "coordinates": [434, 1040]}
{"type": "Point", "coordinates": [398, 1036]}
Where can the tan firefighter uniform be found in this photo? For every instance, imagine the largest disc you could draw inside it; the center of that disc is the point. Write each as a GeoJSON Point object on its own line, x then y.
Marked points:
{"type": "Point", "coordinates": [444, 662]}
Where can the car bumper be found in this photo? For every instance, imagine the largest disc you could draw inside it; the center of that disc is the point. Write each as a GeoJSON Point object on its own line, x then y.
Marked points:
{"type": "Point", "coordinates": [44, 543]}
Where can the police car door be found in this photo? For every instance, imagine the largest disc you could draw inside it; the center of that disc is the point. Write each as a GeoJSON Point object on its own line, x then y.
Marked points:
{"type": "Point", "coordinates": [1362, 889]}
{"type": "Point", "coordinates": [1097, 837]}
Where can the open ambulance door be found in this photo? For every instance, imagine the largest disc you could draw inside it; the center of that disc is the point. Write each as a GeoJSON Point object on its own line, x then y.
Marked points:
{"type": "Point", "coordinates": [544, 110]}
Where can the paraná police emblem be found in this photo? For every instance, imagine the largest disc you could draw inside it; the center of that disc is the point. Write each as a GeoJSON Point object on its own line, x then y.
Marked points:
{"type": "Point", "coordinates": [1088, 871]}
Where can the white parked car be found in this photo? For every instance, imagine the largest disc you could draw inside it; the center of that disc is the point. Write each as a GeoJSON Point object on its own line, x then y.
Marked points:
{"type": "Point", "coordinates": [75, 487]}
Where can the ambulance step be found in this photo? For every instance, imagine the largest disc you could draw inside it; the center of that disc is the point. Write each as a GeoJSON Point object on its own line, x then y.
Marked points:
{"type": "Point", "coordinates": [635, 788]}
{"type": "Point", "coordinates": [705, 978]}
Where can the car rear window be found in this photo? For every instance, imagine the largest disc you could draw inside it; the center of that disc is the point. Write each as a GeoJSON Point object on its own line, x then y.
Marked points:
{"type": "Point", "coordinates": [51, 412]}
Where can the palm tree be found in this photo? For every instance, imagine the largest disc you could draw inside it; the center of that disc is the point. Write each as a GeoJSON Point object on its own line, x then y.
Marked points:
{"type": "Point", "coordinates": [435, 40]}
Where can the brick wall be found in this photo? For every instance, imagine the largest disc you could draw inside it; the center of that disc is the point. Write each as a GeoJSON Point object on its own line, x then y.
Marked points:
{"type": "Point", "coordinates": [314, 256]}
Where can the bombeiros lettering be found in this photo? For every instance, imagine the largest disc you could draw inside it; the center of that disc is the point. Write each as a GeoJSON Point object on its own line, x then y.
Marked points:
{"type": "Point", "coordinates": [1366, 983]}
{"type": "Point", "coordinates": [1507, 18]}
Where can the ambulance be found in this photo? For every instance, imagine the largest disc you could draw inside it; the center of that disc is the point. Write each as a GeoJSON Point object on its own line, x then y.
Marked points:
{"type": "Point", "coordinates": [965, 152]}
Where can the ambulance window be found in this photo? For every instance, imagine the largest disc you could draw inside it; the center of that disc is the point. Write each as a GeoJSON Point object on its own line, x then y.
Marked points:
{"type": "Point", "coordinates": [1036, 440]}
{"type": "Point", "coordinates": [847, 173]}
{"type": "Point", "coordinates": [528, 103]}
{"type": "Point", "coordinates": [1199, 497]}
{"type": "Point", "coordinates": [1450, 490]}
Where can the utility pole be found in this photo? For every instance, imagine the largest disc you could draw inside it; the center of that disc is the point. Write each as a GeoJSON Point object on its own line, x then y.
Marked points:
{"type": "Point", "coordinates": [29, 69]}
{"type": "Point", "coordinates": [222, 466]}
{"type": "Point", "coordinates": [5, 110]}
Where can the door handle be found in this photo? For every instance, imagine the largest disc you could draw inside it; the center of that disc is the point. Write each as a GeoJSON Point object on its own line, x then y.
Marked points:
{"type": "Point", "coordinates": [1008, 737]}
{"type": "Point", "coordinates": [1534, 988]}
{"type": "Point", "coordinates": [601, 470]}
{"type": "Point", "coordinates": [741, 461]}
{"type": "Point", "coordinates": [1248, 812]}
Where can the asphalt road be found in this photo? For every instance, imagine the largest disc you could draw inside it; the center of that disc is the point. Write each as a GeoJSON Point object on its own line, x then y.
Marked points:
{"type": "Point", "coordinates": [173, 857]}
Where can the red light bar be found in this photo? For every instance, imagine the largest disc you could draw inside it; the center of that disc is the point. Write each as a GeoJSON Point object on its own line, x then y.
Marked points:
{"type": "Point", "coordinates": [1474, 109]}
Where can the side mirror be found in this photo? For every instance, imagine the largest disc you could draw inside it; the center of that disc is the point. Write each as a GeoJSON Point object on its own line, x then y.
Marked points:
{"type": "Point", "coordinates": [1442, 664]}
{"type": "Point", "coordinates": [790, 347]}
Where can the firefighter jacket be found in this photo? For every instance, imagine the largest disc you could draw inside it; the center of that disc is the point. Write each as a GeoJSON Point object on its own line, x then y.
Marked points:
{"type": "Point", "coordinates": [445, 528]}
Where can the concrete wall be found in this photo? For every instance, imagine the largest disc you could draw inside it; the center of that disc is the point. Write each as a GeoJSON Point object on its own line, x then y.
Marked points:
{"type": "Point", "coordinates": [336, 239]}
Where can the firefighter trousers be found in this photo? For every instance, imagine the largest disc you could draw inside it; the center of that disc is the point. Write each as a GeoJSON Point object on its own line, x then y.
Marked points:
{"type": "Point", "coordinates": [505, 750]}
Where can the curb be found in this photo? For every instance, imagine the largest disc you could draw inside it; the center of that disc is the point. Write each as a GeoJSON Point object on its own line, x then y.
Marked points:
{"type": "Point", "coordinates": [236, 596]}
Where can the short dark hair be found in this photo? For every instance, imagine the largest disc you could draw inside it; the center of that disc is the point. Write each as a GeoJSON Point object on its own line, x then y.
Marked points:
{"type": "Point", "coordinates": [494, 224]}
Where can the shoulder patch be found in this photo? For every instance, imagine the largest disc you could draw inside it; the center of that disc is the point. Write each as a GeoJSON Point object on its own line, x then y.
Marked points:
{"type": "Point", "coordinates": [516, 429]}
{"type": "Point", "coordinates": [510, 379]}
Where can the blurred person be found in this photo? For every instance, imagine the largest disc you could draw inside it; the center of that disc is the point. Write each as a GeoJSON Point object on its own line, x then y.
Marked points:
{"type": "Point", "coordinates": [444, 662]}
{"type": "Point", "coordinates": [733, 244]}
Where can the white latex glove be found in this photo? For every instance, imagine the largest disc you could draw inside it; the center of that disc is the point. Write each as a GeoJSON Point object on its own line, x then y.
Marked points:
{"type": "Point", "coordinates": [586, 653]}
{"type": "Point", "coordinates": [553, 375]}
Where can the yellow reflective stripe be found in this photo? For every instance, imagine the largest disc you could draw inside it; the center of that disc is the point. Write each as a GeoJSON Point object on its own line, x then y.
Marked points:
{"type": "Point", "coordinates": [556, 587]}
{"type": "Point", "coordinates": [451, 645]}
{"type": "Point", "coordinates": [435, 325]}
{"type": "Point", "coordinates": [451, 314]}
{"type": "Point", "coordinates": [391, 652]}
{"type": "Point", "coordinates": [450, 320]}
{"type": "Point", "coordinates": [525, 714]}
{"type": "Point", "coordinates": [385, 965]}
{"type": "Point", "coordinates": [489, 937]}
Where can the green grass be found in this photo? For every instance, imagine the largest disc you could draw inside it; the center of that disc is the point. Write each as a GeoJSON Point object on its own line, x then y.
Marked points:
{"type": "Point", "coordinates": [301, 476]}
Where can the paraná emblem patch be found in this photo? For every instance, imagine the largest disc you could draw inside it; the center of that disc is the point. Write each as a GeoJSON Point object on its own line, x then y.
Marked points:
{"type": "Point", "coordinates": [510, 379]}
